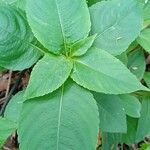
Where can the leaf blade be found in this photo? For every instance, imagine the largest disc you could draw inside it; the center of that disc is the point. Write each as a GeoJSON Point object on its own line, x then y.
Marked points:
{"type": "Point", "coordinates": [115, 31]}
{"type": "Point", "coordinates": [98, 63]}
{"type": "Point", "coordinates": [72, 121]}
{"type": "Point", "coordinates": [48, 75]}
{"type": "Point", "coordinates": [16, 40]}
{"type": "Point", "coordinates": [131, 105]}
{"type": "Point", "coordinates": [111, 113]}
{"type": "Point", "coordinates": [143, 128]}
{"type": "Point", "coordinates": [60, 29]}
{"type": "Point", "coordinates": [7, 127]}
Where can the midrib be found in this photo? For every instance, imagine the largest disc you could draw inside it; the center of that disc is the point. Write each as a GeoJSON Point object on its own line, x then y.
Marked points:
{"type": "Point", "coordinates": [59, 117]}
{"type": "Point", "coordinates": [61, 24]}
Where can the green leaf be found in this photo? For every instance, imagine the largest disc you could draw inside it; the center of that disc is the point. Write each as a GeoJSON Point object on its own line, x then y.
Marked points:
{"type": "Point", "coordinates": [18, 3]}
{"type": "Point", "coordinates": [6, 129]}
{"type": "Point", "coordinates": [79, 48]}
{"type": "Point", "coordinates": [58, 23]}
{"type": "Point", "coordinates": [123, 58]}
{"type": "Point", "coordinates": [144, 39]}
{"type": "Point", "coordinates": [111, 113]}
{"type": "Point", "coordinates": [134, 45]}
{"type": "Point", "coordinates": [63, 118]}
{"type": "Point", "coordinates": [117, 23]}
{"type": "Point", "coordinates": [147, 78]}
{"type": "Point", "coordinates": [143, 128]}
{"type": "Point", "coordinates": [14, 107]}
{"type": "Point", "coordinates": [110, 141]}
{"type": "Point", "coordinates": [9, 123]}
{"type": "Point", "coordinates": [48, 75]}
{"type": "Point", "coordinates": [16, 49]}
{"type": "Point", "coordinates": [131, 105]}
{"type": "Point", "coordinates": [130, 137]}
{"type": "Point", "coordinates": [147, 11]}
{"type": "Point", "coordinates": [99, 71]}
{"type": "Point", "coordinates": [136, 63]}
{"type": "Point", "coordinates": [91, 2]}
{"type": "Point", "coordinates": [145, 146]}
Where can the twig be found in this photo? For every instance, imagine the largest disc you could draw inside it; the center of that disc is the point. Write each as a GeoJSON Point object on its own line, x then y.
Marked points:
{"type": "Point", "coordinates": [11, 93]}
{"type": "Point", "coordinates": [2, 100]}
{"type": "Point", "coordinates": [6, 148]}
{"type": "Point", "coordinates": [8, 88]}
{"type": "Point", "coordinates": [8, 84]}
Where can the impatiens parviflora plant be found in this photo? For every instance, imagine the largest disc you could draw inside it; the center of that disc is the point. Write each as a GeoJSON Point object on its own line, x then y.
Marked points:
{"type": "Point", "coordinates": [80, 82]}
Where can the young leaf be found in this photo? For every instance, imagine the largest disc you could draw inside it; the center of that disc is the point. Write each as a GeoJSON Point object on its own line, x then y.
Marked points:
{"type": "Point", "coordinates": [16, 49]}
{"type": "Point", "coordinates": [147, 78]}
{"type": "Point", "coordinates": [48, 75]}
{"type": "Point", "coordinates": [6, 128]}
{"type": "Point", "coordinates": [61, 120]}
{"type": "Point", "coordinates": [136, 63]}
{"type": "Point", "coordinates": [117, 23]}
{"type": "Point", "coordinates": [58, 23]}
{"type": "Point", "coordinates": [143, 128]}
{"type": "Point", "coordinates": [144, 39]}
{"type": "Point", "coordinates": [131, 105]}
{"type": "Point", "coordinates": [111, 113]}
{"type": "Point", "coordinates": [79, 48]}
{"type": "Point", "coordinates": [14, 107]}
{"type": "Point", "coordinates": [99, 71]}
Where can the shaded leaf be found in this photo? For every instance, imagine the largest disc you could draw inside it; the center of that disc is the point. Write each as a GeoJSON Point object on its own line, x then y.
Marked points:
{"type": "Point", "coordinates": [111, 113]}
{"type": "Point", "coordinates": [123, 58]}
{"type": "Point", "coordinates": [131, 105]}
{"type": "Point", "coordinates": [110, 141]}
{"type": "Point", "coordinates": [136, 63]}
{"type": "Point", "coordinates": [91, 2]}
{"type": "Point", "coordinates": [6, 129]}
{"type": "Point", "coordinates": [130, 137]}
{"type": "Point", "coordinates": [144, 39]}
{"type": "Point", "coordinates": [14, 107]}
{"type": "Point", "coordinates": [147, 78]}
{"type": "Point", "coordinates": [143, 128]}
